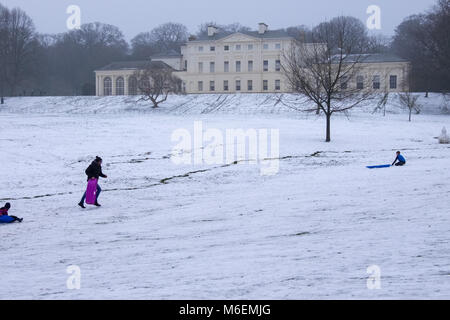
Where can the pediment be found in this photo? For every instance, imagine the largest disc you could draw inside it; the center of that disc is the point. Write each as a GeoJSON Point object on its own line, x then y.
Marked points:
{"type": "Point", "coordinates": [238, 37]}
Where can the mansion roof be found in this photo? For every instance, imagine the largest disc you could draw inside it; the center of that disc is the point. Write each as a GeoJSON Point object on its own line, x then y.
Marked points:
{"type": "Point", "coordinates": [374, 58]}
{"type": "Point", "coordinates": [135, 65]}
{"type": "Point", "coordinates": [269, 34]}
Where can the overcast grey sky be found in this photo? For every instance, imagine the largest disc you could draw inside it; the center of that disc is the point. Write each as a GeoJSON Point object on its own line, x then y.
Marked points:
{"type": "Point", "coordinates": [134, 16]}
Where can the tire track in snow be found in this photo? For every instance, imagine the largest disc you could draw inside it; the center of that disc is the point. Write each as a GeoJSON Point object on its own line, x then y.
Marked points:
{"type": "Point", "coordinates": [165, 181]}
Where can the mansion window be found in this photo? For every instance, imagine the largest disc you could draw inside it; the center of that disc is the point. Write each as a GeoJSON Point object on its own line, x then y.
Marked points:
{"type": "Point", "coordinates": [200, 49]}
{"type": "Point", "coordinates": [200, 67]}
{"type": "Point", "coordinates": [225, 85]}
{"type": "Point", "coordinates": [278, 46]}
{"type": "Point", "coordinates": [185, 65]}
{"type": "Point", "coordinates": [212, 48]}
{"type": "Point", "coordinates": [238, 85]}
{"type": "Point", "coordinates": [250, 47]}
{"type": "Point", "coordinates": [200, 86]}
{"type": "Point", "coordinates": [250, 85]}
{"type": "Point", "coordinates": [277, 85]}
{"type": "Point", "coordinates": [107, 86]}
{"type": "Point", "coordinates": [266, 65]}
{"type": "Point", "coordinates": [250, 66]}
{"type": "Point", "coordinates": [226, 48]}
{"type": "Point", "coordinates": [265, 85]}
{"type": "Point", "coordinates": [120, 86]}
{"type": "Point", "coordinates": [360, 82]}
{"type": "Point", "coordinates": [393, 82]}
{"type": "Point", "coordinates": [277, 65]}
{"type": "Point", "coordinates": [212, 86]}
{"type": "Point", "coordinates": [376, 82]}
{"type": "Point", "coordinates": [226, 66]}
{"type": "Point", "coordinates": [344, 82]}
{"type": "Point", "coordinates": [212, 67]}
{"type": "Point", "coordinates": [238, 47]}
{"type": "Point", "coordinates": [238, 66]}
{"type": "Point", "coordinates": [266, 46]}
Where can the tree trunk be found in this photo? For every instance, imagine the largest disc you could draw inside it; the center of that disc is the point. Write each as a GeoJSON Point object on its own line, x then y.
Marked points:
{"type": "Point", "coordinates": [328, 127]}
{"type": "Point", "coordinates": [410, 111]}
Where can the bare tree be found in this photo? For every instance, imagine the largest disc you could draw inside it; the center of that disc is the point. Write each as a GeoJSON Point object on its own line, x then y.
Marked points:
{"type": "Point", "coordinates": [323, 72]}
{"type": "Point", "coordinates": [143, 46]}
{"type": "Point", "coordinates": [381, 105]}
{"type": "Point", "coordinates": [4, 16]}
{"type": "Point", "coordinates": [300, 33]}
{"type": "Point", "coordinates": [423, 40]}
{"type": "Point", "coordinates": [17, 40]}
{"type": "Point", "coordinates": [77, 53]}
{"type": "Point", "coordinates": [169, 36]}
{"type": "Point", "coordinates": [409, 101]}
{"type": "Point", "coordinates": [162, 39]}
{"type": "Point", "coordinates": [155, 82]}
{"type": "Point", "coordinates": [233, 27]}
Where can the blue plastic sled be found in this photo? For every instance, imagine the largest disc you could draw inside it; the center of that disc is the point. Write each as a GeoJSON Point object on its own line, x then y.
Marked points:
{"type": "Point", "coordinates": [379, 167]}
{"type": "Point", "coordinates": [6, 219]}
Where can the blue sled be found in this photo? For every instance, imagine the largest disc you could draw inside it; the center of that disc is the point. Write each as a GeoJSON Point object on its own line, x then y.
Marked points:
{"type": "Point", "coordinates": [6, 219]}
{"type": "Point", "coordinates": [379, 167]}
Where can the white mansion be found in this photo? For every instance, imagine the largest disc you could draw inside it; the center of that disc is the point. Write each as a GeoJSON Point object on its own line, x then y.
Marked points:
{"type": "Point", "coordinates": [249, 61]}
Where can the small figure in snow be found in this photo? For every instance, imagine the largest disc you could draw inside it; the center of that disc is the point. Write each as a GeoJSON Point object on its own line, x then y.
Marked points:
{"type": "Point", "coordinates": [4, 213]}
{"type": "Point", "coordinates": [399, 161]}
{"type": "Point", "coordinates": [94, 171]}
{"type": "Point", "coordinates": [444, 138]}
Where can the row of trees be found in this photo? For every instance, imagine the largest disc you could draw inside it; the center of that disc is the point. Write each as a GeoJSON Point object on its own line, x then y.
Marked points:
{"type": "Point", "coordinates": [63, 64]}
{"type": "Point", "coordinates": [424, 39]}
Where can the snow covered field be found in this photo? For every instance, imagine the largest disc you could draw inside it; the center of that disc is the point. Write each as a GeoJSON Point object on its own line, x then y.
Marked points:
{"type": "Point", "coordinates": [169, 231]}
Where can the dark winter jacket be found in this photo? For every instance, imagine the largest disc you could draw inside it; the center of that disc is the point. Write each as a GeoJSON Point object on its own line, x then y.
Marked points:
{"type": "Point", "coordinates": [3, 212]}
{"type": "Point", "coordinates": [94, 171]}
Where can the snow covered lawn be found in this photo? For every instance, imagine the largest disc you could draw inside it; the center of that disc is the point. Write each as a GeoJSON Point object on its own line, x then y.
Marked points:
{"type": "Point", "coordinates": [226, 232]}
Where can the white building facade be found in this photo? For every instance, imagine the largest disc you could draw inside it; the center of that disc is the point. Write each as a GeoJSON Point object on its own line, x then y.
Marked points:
{"type": "Point", "coordinates": [247, 62]}
{"type": "Point", "coordinates": [223, 62]}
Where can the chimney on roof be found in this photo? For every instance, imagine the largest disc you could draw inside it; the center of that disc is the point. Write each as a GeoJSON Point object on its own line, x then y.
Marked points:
{"type": "Point", "coordinates": [212, 30]}
{"type": "Point", "coordinates": [262, 28]}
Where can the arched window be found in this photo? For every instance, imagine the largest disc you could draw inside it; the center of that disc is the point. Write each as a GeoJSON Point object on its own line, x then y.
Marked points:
{"type": "Point", "coordinates": [107, 86]}
{"type": "Point", "coordinates": [132, 86]}
{"type": "Point", "coordinates": [120, 86]}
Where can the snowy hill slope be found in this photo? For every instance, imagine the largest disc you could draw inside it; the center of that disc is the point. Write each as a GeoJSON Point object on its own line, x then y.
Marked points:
{"type": "Point", "coordinates": [170, 231]}
{"type": "Point", "coordinates": [193, 104]}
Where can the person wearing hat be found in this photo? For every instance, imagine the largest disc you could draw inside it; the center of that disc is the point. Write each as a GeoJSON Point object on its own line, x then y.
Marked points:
{"type": "Point", "coordinates": [4, 214]}
{"type": "Point", "coordinates": [94, 171]}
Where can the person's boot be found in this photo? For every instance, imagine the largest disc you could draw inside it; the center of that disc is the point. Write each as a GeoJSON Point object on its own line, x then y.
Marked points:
{"type": "Point", "coordinates": [81, 204]}
{"type": "Point", "coordinates": [20, 219]}
{"type": "Point", "coordinates": [97, 204]}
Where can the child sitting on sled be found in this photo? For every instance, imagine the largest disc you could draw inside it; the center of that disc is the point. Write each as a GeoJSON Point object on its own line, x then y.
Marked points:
{"type": "Point", "coordinates": [5, 218]}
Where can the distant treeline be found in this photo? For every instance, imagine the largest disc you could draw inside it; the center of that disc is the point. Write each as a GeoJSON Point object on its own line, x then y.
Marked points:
{"type": "Point", "coordinates": [63, 64]}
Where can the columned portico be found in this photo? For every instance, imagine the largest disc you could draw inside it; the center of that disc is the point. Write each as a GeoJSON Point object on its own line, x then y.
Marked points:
{"type": "Point", "coordinates": [126, 78]}
{"type": "Point", "coordinates": [118, 74]}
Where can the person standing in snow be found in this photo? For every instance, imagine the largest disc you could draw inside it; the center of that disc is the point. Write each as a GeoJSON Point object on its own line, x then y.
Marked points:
{"type": "Point", "coordinates": [94, 171]}
{"type": "Point", "coordinates": [4, 213]}
{"type": "Point", "coordinates": [399, 161]}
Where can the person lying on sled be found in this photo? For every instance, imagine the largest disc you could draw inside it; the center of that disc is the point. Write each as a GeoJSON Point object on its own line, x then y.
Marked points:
{"type": "Point", "coordinates": [5, 218]}
{"type": "Point", "coordinates": [399, 161]}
